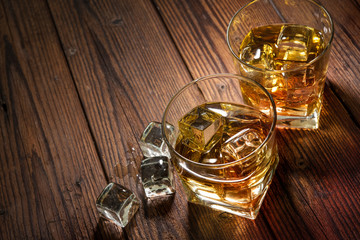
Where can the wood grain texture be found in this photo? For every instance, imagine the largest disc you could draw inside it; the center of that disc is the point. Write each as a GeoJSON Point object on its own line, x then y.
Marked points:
{"type": "Point", "coordinates": [50, 172]}
{"type": "Point", "coordinates": [144, 84]}
{"type": "Point", "coordinates": [317, 176]}
{"type": "Point", "coordinates": [199, 31]}
{"type": "Point", "coordinates": [344, 70]}
{"type": "Point", "coordinates": [125, 68]}
{"type": "Point", "coordinates": [81, 79]}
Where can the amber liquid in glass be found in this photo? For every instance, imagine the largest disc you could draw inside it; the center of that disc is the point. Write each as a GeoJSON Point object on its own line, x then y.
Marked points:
{"type": "Point", "coordinates": [216, 134]}
{"type": "Point", "coordinates": [290, 48]}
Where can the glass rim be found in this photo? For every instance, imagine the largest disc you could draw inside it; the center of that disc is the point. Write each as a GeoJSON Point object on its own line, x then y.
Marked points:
{"type": "Point", "coordinates": [204, 78]}
{"type": "Point", "coordinates": [280, 71]}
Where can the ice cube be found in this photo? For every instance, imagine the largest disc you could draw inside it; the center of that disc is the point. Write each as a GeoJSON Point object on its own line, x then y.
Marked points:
{"type": "Point", "coordinates": [295, 78]}
{"type": "Point", "coordinates": [157, 176]}
{"type": "Point", "coordinates": [275, 84]}
{"type": "Point", "coordinates": [241, 144]}
{"type": "Point", "coordinates": [316, 45]}
{"type": "Point", "coordinates": [238, 146]}
{"type": "Point", "coordinates": [117, 204]}
{"type": "Point", "coordinates": [292, 43]}
{"type": "Point", "coordinates": [201, 129]}
{"type": "Point", "coordinates": [298, 82]}
{"type": "Point", "coordinates": [152, 143]}
{"type": "Point", "coordinates": [241, 119]}
{"type": "Point", "coordinates": [258, 55]}
{"type": "Point", "coordinates": [211, 156]}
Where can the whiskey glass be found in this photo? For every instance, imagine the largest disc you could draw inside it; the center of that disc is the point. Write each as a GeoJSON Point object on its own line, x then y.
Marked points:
{"type": "Point", "coordinates": [223, 143]}
{"type": "Point", "coordinates": [285, 46]}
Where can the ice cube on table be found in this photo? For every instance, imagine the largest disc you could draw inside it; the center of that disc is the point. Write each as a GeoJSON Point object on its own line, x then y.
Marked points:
{"type": "Point", "coordinates": [201, 128]}
{"type": "Point", "coordinates": [117, 204]}
{"type": "Point", "coordinates": [157, 176]}
{"type": "Point", "coordinates": [292, 43]}
{"type": "Point", "coordinates": [152, 143]}
{"type": "Point", "coordinates": [258, 55]}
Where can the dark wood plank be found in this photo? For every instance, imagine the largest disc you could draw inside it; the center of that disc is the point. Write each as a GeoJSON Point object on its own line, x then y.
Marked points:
{"type": "Point", "coordinates": [126, 69]}
{"type": "Point", "coordinates": [344, 64]}
{"type": "Point", "coordinates": [199, 31]}
{"type": "Point", "coordinates": [315, 190]}
{"type": "Point", "coordinates": [320, 166]}
{"type": "Point", "coordinates": [50, 172]}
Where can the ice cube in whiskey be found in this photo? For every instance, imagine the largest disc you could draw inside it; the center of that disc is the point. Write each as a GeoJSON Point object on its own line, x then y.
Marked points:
{"type": "Point", "coordinates": [242, 143]}
{"type": "Point", "coordinates": [117, 204]}
{"type": "Point", "coordinates": [258, 55]}
{"type": "Point", "coordinates": [293, 42]}
{"type": "Point", "coordinates": [201, 129]}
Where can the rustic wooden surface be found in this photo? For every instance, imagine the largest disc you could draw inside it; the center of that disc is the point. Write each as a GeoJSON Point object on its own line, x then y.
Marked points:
{"type": "Point", "coordinates": [81, 79]}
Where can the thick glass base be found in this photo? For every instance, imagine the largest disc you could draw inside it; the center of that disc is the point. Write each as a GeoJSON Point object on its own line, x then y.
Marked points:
{"type": "Point", "coordinates": [306, 122]}
{"type": "Point", "coordinates": [250, 212]}
{"type": "Point", "coordinates": [248, 201]}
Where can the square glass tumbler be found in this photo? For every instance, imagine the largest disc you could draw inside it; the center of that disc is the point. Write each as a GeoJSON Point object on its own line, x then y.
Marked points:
{"type": "Point", "coordinates": [285, 46]}
{"type": "Point", "coordinates": [224, 149]}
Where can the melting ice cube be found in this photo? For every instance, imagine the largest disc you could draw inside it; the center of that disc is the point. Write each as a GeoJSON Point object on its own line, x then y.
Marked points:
{"type": "Point", "coordinates": [152, 143]}
{"type": "Point", "coordinates": [157, 176]}
{"type": "Point", "coordinates": [117, 204]}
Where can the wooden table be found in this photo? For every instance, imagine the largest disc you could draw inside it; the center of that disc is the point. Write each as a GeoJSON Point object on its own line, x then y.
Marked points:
{"type": "Point", "coordinates": [81, 79]}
